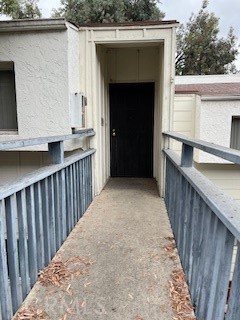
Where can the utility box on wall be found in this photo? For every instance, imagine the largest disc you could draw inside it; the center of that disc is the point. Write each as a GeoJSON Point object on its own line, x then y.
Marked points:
{"type": "Point", "coordinates": [77, 110]}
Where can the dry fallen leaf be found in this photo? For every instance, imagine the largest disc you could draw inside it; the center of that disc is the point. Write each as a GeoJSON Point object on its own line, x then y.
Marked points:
{"type": "Point", "coordinates": [170, 247]}
{"type": "Point", "coordinates": [31, 313]}
{"type": "Point", "coordinates": [57, 272]}
{"type": "Point", "coordinates": [54, 274]}
{"type": "Point", "coordinates": [180, 297]}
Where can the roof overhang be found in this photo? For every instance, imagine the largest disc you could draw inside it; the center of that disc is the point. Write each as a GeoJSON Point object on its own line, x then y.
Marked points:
{"type": "Point", "coordinates": [54, 24]}
{"type": "Point", "coordinates": [221, 98]}
{"type": "Point", "coordinates": [131, 24]}
{"type": "Point", "coordinates": [33, 25]}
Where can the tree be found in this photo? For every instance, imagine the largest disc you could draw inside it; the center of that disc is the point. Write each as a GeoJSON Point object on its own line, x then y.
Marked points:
{"type": "Point", "coordinates": [88, 11]}
{"type": "Point", "coordinates": [20, 9]}
{"type": "Point", "coordinates": [200, 51]}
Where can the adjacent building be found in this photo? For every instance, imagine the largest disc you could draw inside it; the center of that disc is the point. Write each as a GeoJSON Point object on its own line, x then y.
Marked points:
{"type": "Point", "coordinates": [208, 108]}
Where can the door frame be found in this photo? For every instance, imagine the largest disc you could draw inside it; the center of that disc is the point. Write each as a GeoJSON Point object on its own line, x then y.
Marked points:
{"type": "Point", "coordinates": [96, 88]}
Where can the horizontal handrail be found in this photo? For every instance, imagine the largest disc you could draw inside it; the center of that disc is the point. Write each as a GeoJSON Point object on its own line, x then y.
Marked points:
{"type": "Point", "coordinates": [40, 174]}
{"type": "Point", "coordinates": [217, 150]}
{"type": "Point", "coordinates": [7, 145]}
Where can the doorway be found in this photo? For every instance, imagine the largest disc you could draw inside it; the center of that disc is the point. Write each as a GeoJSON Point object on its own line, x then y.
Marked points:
{"type": "Point", "coordinates": [131, 129]}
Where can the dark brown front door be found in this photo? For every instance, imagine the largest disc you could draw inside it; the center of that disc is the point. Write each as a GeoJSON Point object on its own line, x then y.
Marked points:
{"type": "Point", "coordinates": [131, 129]}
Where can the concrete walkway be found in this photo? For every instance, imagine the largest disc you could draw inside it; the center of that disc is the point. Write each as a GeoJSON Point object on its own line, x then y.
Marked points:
{"type": "Point", "coordinates": [118, 246]}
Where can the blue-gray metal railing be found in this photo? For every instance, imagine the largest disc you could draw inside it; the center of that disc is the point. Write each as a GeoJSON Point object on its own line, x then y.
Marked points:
{"type": "Point", "coordinates": [206, 225]}
{"type": "Point", "coordinates": [37, 212]}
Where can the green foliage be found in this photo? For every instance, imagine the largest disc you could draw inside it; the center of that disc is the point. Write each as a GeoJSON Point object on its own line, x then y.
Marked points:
{"type": "Point", "coordinates": [88, 11]}
{"type": "Point", "coordinates": [200, 51]}
{"type": "Point", "coordinates": [20, 9]}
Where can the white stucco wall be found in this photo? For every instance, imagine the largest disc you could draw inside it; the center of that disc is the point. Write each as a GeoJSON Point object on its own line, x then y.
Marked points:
{"type": "Point", "coordinates": [47, 72]}
{"type": "Point", "coordinates": [215, 118]}
{"type": "Point", "coordinates": [73, 59]}
{"type": "Point", "coordinates": [74, 71]}
{"type": "Point", "coordinates": [41, 75]}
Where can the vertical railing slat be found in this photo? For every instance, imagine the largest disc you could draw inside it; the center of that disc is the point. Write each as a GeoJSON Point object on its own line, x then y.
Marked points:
{"type": "Point", "coordinates": [187, 232]}
{"type": "Point", "coordinates": [89, 184]}
{"type": "Point", "coordinates": [46, 228]}
{"type": "Point", "coordinates": [71, 198]}
{"type": "Point", "coordinates": [75, 219]}
{"type": "Point", "coordinates": [52, 225]}
{"type": "Point", "coordinates": [91, 180]}
{"type": "Point", "coordinates": [84, 185]}
{"type": "Point", "coordinates": [233, 311]}
{"type": "Point", "coordinates": [78, 191]}
{"type": "Point", "coordinates": [207, 257]}
{"type": "Point", "coordinates": [23, 242]}
{"type": "Point", "coordinates": [88, 180]}
{"type": "Point", "coordinates": [190, 237]}
{"type": "Point", "coordinates": [63, 204]}
{"type": "Point", "coordinates": [12, 251]}
{"type": "Point", "coordinates": [81, 186]}
{"type": "Point", "coordinates": [68, 200]}
{"type": "Point", "coordinates": [221, 273]}
{"type": "Point", "coordinates": [58, 224]}
{"type": "Point", "coordinates": [198, 227]}
{"type": "Point", "coordinates": [32, 239]}
{"type": "Point", "coordinates": [5, 294]}
{"type": "Point", "coordinates": [182, 214]}
{"type": "Point", "coordinates": [39, 225]}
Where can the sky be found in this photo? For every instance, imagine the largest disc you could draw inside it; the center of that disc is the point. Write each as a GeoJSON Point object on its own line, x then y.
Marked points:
{"type": "Point", "coordinates": [228, 12]}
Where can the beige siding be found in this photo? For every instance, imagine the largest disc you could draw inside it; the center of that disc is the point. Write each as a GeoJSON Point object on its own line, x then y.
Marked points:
{"type": "Point", "coordinates": [14, 164]}
{"type": "Point", "coordinates": [225, 176]}
{"type": "Point", "coordinates": [184, 116]}
{"type": "Point", "coordinates": [133, 64]}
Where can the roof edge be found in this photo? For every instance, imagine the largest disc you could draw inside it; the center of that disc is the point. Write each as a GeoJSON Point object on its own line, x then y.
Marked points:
{"type": "Point", "coordinates": [187, 92]}
{"type": "Point", "coordinates": [220, 98]}
{"type": "Point", "coordinates": [145, 23]}
{"type": "Point", "coordinates": [33, 25]}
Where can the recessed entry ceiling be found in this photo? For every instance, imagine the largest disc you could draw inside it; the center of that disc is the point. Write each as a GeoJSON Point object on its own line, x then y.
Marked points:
{"type": "Point", "coordinates": [131, 44]}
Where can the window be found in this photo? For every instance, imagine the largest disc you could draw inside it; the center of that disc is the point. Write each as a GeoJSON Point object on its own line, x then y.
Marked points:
{"type": "Point", "coordinates": [8, 107]}
{"type": "Point", "coordinates": [235, 133]}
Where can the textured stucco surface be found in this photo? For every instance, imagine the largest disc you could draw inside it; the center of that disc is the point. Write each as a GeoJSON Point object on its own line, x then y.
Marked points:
{"type": "Point", "coordinates": [74, 71]}
{"type": "Point", "coordinates": [215, 118]}
{"type": "Point", "coordinates": [41, 75]}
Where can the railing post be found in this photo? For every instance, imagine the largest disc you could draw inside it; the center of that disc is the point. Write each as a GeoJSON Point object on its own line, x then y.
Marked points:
{"type": "Point", "coordinates": [56, 151]}
{"type": "Point", "coordinates": [187, 156]}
